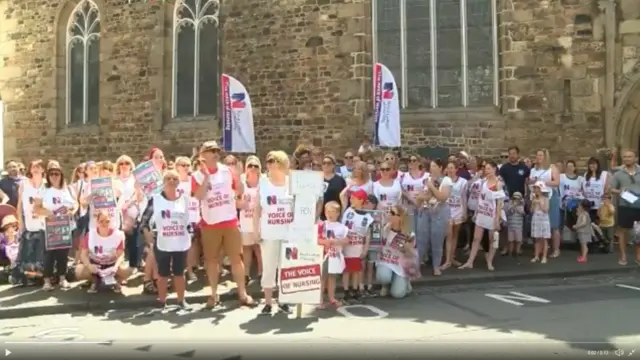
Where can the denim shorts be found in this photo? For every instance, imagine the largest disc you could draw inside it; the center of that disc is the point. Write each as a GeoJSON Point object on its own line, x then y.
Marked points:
{"type": "Point", "coordinates": [372, 255]}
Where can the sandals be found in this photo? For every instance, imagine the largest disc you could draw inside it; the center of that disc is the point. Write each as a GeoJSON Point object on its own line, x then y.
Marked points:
{"type": "Point", "coordinates": [333, 303]}
{"type": "Point", "coordinates": [150, 287]}
{"type": "Point", "coordinates": [248, 302]}
{"type": "Point", "coordinates": [47, 286]}
{"type": "Point", "coordinates": [117, 288]}
{"type": "Point", "coordinates": [213, 302]}
{"type": "Point", "coordinates": [93, 288]}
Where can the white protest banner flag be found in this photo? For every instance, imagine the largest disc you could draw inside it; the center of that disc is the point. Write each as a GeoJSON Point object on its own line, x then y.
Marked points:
{"type": "Point", "coordinates": [299, 278]}
{"type": "Point", "coordinates": [386, 102]}
{"type": "Point", "coordinates": [305, 182]}
{"type": "Point", "coordinates": [237, 115]}
{"type": "Point", "coordinates": [303, 229]}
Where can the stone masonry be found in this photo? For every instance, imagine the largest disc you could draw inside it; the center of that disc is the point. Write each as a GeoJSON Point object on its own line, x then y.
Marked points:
{"type": "Point", "coordinates": [307, 66]}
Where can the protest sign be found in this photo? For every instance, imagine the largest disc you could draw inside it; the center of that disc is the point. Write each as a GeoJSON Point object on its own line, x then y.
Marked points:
{"type": "Point", "coordinates": [303, 226]}
{"type": "Point", "coordinates": [376, 228]}
{"type": "Point", "coordinates": [149, 178]}
{"type": "Point", "coordinates": [299, 278]}
{"type": "Point", "coordinates": [58, 232]}
{"type": "Point", "coordinates": [305, 182]}
{"type": "Point", "coordinates": [102, 194]}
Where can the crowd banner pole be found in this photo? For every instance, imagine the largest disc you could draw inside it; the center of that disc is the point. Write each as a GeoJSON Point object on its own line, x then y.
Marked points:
{"type": "Point", "coordinates": [386, 108]}
{"type": "Point", "coordinates": [299, 278]}
{"type": "Point", "coordinates": [238, 135]}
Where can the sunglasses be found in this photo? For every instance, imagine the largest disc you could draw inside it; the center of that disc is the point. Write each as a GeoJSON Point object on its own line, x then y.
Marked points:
{"type": "Point", "coordinates": [171, 178]}
{"type": "Point", "coordinates": [388, 159]}
{"type": "Point", "coordinates": [124, 163]}
{"type": "Point", "coordinates": [385, 169]}
{"type": "Point", "coordinates": [231, 163]}
{"type": "Point", "coordinates": [104, 222]}
{"type": "Point", "coordinates": [315, 165]}
{"type": "Point", "coordinates": [348, 157]}
{"type": "Point", "coordinates": [271, 161]}
{"type": "Point", "coordinates": [183, 165]}
{"type": "Point", "coordinates": [327, 163]}
{"type": "Point", "coordinates": [253, 166]}
{"type": "Point", "coordinates": [54, 173]}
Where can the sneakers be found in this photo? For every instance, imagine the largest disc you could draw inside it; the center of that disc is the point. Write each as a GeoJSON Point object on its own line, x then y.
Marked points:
{"type": "Point", "coordinates": [285, 308]}
{"type": "Point", "coordinates": [266, 310]}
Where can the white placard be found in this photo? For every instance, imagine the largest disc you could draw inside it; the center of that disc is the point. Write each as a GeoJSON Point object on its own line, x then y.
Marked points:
{"type": "Point", "coordinates": [299, 278]}
{"type": "Point", "coordinates": [305, 182]}
{"type": "Point", "coordinates": [629, 197]}
{"type": "Point", "coordinates": [304, 228]}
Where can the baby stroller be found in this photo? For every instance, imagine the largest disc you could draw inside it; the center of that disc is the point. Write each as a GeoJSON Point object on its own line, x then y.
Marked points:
{"type": "Point", "coordinates": [598, 241]}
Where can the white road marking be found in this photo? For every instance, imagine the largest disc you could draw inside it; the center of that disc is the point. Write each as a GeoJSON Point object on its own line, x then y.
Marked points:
{"type": "Point", "coordinates": [628, 287]}
{"type": "Point", "coordinates": [514, 295]}
{"type": "Point", "coordinates": [344, 311]}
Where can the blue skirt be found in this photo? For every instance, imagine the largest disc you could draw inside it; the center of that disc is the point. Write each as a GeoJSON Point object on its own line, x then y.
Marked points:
{"type": "Point", "coordinates": [554, 210]}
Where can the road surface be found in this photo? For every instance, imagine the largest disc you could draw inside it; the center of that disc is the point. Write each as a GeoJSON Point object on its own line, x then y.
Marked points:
{"type": "Point", "coordinates": [563, 318]}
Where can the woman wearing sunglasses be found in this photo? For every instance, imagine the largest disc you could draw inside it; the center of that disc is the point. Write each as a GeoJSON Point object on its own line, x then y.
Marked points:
{"type": "Point", "coordinates": [387, 189]}
{"type": "Point", "coordinates": [412, 184]}
{"type": "Point", "coordinates": [183, 167]}
{"type": "Point", "coordinates": [397, 265]}
{"type": "Point", "coordinates": [56, 200]}
{"type": "Point", "coordinates": [128, 204]}
{"type": "Point", "coordinates": [433, 215]}
{"type": "Point", "coordinates": [166, 224]}
{"type": "Point", "coordinates": [273, 212]}
{"type": "Point", "coordinates": [360, 179]}
{"type": "Point", "coordinates": [102, 255]}
{"type": "Point", "coordinates": [250, 244]}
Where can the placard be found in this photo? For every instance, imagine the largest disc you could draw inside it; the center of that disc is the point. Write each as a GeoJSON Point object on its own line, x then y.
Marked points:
{"type": "Point", "coordinates": [299, 278]}
{"type": "Point", "coordinates": [148, 178]}
{"type": "Point", "coordinates": [102, 194]}
{"type": "Point", "coordinates": [303, 228]}
{"type": "Point", "coordinates": [58, 232]}
{"type": "Point", "coordinates": [305, 182]}
{"type": "Point", "coordinates": [376, 228]}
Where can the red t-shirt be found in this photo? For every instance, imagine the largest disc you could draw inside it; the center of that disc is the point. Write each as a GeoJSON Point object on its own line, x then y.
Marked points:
{"type": "Point", "coordinates": [84, 244]}
{"type": "Point", "coordinates": [221, 225]}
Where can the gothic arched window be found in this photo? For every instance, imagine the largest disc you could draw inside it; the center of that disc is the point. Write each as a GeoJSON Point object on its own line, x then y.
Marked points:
{"type": "Point", "coordinates": [195, 58]}
{"type": "Point", "coordinates": [83, 64]}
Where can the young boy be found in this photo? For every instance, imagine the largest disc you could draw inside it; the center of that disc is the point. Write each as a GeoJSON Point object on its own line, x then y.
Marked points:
{"type": "Point", "coordinates": [333, 237]}
{"type": "Point", "coordinates": [358, 222]}
{"type": "Point", "coordinates": [366, 282]}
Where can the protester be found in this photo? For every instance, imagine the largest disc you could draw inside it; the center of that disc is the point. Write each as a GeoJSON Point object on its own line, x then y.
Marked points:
{"type": "Point", "coordinates": [540, 221]}
{"type": "Point", "coordinates": [130, 197]}
{"type": "Point", "coordinates": [595, 185]}
{"type": "Point", "coordinates": [166, 224]}
{"type": "Point", "coordinates": [360, 179]}
{"type": "Point", "coordinates": [183, 168]}
{"type": "Point", "coordinates": [56, 200]}
{"type": "Point", "coordinates": [433, 216]}
{"type": "Point", "coordinates": [358, 222]}
{"type": "Point", "coordinates": [583, 229]}
{"type": "Point", "coordinates": [457, 202]}
{"type": "Point", "coordinates": [333, 238]}
{"type": "Point", "coordinates": [606, 217]}
{"type": "Point", "coordinates": [514, 172]}
{"type": "Point", "coordinates": [626, 183]}
{"type": "Point", "coordinates": [398, 263]}
{"type": "Point", "coordinates": [334, 184]}
{"type": "Point", "coordinates": [473, 190]}
{"type": "Point", "coordinates": [10, 245]}
{"type": "Point", "coordinates": [102, 255]}
{"type": "Point", "coordinates": [549, 175]}
{"type": "Point", "coordinates": [9, 184]}
{"type": "Point", "coordinates": [219, 188]}
{"type": "Point", "coordinates": [32, 241]}
{"type": "Point", "coordinates": [487, 217]}
{"type": "Point", "coordinates": [515, 221]}
{"type": "Point", "coordinates": [347, 168]}
{"type": "Point", "coordinates": [250, 244]}
{"type": "Point", "coordinates": [273, 213]}
{"type": "Point", "coordinates": [413, 184]}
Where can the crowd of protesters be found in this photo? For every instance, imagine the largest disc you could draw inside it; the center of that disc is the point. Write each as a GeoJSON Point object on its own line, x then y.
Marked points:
{"type": "Point", "coordinates": [436, 214]}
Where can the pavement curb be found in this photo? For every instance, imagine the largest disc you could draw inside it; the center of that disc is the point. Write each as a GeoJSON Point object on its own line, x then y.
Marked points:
{"type": "Point", "coordinates": [146, 301]}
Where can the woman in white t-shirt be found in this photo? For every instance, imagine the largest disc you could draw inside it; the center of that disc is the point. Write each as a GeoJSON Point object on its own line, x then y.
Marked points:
{"type": "Point", "coordinates": [166, 223]}
{"type": "Point", "coordinates": [458, 214]}
{"type": "Point", "coordinates": [433, 215]}
{"type": "Point", "coordinates": [251, 244]}
{"type": "Point", "coordinates": [413, 184]}
{"type": "Point", "coordinates": [183, 167]}
{"type": "Point", "coordinates": [359, 179]}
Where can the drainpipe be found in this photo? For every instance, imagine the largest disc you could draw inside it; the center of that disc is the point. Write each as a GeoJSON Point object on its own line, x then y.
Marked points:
{"type": "Point", "coordinates": [609, 8]}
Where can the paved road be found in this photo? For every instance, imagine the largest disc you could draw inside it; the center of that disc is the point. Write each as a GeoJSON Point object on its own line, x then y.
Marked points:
{"type": "Point", "coordinates": [541, 318]}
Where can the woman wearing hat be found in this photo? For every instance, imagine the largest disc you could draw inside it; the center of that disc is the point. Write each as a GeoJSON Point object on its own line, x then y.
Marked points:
{"type": "Point", "coordinates": [56, 200]}
{"type": "Point", "coordinates": [251, 245]}
{"type": "Point", "coordinates": [32, 242]}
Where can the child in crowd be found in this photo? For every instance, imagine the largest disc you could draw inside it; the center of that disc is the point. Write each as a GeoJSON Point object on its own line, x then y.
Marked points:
{"type": "Point", "coordinates": [540, 225]}
{"type": "Point", "coordinates": [9, 244]}
{"type": "Point", "coordinates": [366, 282]}
{"type": "Point", "coordinates": [358, 222]}
{"type": "Point", "coordinates": [583, 229]}
{"type": "Point", "coordinates": [333, 236]}
{"type": "Point", "coordinates": [606, 214]}
{"type": "Point", "coordinates": [515, 221]}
